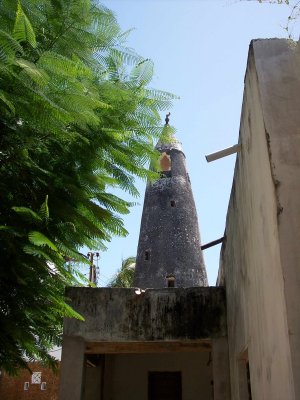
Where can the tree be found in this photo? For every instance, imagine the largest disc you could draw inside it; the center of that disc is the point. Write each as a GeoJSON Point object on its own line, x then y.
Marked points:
{"type": "Point", "coordinates": [76, 117]}
{"type": "Point", "coordinates": [294, 12]}
{"type": "Point", "coordinates": [124, 277]}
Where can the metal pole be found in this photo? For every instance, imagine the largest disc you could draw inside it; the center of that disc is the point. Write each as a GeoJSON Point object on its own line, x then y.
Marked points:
{"type": "Point", "coordinates": [214, 243]}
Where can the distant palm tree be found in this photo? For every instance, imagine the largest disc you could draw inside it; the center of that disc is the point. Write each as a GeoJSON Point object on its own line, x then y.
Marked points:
{"type": "Point", "coordinates": [124, 277]}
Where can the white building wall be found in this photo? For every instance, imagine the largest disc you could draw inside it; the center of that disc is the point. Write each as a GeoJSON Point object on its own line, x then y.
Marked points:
{"type": "Point", "coordinates": [260, 301]}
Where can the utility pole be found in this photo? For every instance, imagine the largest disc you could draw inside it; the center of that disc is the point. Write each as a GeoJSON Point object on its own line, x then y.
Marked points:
{"type": "Point", "coordinates": [93, 269]}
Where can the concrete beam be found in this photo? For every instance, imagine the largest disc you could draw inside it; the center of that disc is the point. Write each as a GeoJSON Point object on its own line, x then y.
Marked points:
{"type": "Point", "coordinates": [223, 153]}
{"type": "Point", "coordinates": [147, 347]}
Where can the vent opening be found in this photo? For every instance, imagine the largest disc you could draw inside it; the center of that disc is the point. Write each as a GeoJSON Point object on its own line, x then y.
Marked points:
{"type": "Point", "coordinates": [173, 204]}
{"type": "Point", "coordinates": [147, 255]}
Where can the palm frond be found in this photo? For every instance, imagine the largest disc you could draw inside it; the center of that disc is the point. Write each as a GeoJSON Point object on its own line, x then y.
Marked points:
{"type": "Point", "coordinates": [23, 30]}
{"type": "Point", "coordinates": [38, 239]}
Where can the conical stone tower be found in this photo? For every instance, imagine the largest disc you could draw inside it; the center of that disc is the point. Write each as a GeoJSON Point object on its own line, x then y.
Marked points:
{"type": "Point", "coordinates": [169, 250]}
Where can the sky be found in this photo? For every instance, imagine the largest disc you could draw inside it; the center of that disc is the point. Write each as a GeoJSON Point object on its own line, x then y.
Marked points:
{"type": "Point", "coordinates": [199, 49]}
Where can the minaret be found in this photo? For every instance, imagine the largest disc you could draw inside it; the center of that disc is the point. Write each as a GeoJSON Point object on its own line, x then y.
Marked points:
{"type": "Point", "coordinates": [169, 250]}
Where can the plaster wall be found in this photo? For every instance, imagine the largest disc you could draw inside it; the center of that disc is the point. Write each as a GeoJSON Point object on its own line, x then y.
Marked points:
{"type": "Point", "coordinates": [132, 383]}
{"type": "Point", "coordinates": [221, 376]}
{"type": "Point", "coordinates": [278, 71]}
{"type": "Point", "coordinates": [93, 383]}
{"type": "Point", "coordinates": [251, 260]}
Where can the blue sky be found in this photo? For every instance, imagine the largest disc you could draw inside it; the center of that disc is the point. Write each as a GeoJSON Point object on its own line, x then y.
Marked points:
{"type": "Point", "coordinates": [199, 49]}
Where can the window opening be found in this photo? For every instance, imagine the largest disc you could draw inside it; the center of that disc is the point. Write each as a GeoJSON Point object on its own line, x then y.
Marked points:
{"type": "Point", "coordinates": [26, 385]}
{"type": "Point", "coordinates": [43, 386]}
{"type": "Point", "coordinates": [36, 378]}
{"type": "Point", "coordinates": [248, 380]}
{"type": "Point", "coordinates": [170, 281]}
{"type": "Point", "coordinates": [147, 255]}
{"type": "Point", "coordinates": [244, 377]}
{"type": "Point", "coordinates": [173, 204]}
{"type": "Point", "coordinates": [165, 162]}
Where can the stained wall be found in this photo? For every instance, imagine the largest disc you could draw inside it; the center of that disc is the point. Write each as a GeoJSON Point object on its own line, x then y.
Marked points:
{"type": "Point", "coordinates": [260, 254]}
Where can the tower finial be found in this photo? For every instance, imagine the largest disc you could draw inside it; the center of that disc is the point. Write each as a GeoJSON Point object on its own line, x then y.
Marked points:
{"type": "Point", "coordinates": [167, 118]}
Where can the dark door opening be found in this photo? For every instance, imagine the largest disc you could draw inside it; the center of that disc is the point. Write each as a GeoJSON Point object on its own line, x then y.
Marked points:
{"type": "Point", "coordinates": [164, 386]}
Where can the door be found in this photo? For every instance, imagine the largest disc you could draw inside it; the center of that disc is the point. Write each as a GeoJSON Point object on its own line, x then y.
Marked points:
{"type": "Point", "coordinates": [164, 385]}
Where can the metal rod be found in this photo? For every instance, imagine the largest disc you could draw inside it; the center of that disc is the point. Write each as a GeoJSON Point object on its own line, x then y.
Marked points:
{"type": "Point", "coordinates": [213, 243]}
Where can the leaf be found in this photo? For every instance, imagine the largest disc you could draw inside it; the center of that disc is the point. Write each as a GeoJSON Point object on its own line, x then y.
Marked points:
{"type": "Point", "coordinates": [5, 228]}
{"type": "Point", "coordinates": [30, 69]}
{"type": "Point", "coordinates": [142, 73]}
{"type": "Point", "coordinates": [27, 213]}
{"type": "Point", "coordinates": [8, 103]}
{"type": "Point", "coordinates": [44, 210]}
{"type": "Point", "coordinates": [38, 239]}
{"type": "Point", "coordinates": [8, 47]}
{"type": "Point", "coordinates": [85, 120]}
{"type": "Point", "coordinates": [23, 31]}
{"type": "Point", "coordinates": [125, 276]}
{"type": "Point", "coordinates": [34, 251]}
{"type": "Point", "coordinates": [63, 66]}
{"type": "Point", "coordinates": [66, 310]}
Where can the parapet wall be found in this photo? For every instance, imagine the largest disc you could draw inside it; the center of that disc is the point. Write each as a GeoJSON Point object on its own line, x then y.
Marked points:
{"type": "Point", "coordinates": [120, 315]}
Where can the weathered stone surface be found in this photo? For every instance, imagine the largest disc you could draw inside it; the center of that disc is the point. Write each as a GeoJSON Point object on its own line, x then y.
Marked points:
{"type": "Point", "coordinates": [169, 229]}
{"type": "Point", "coordinates": [157, 314]}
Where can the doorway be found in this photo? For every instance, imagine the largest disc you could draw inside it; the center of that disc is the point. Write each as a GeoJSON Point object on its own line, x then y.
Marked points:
{"type": "Point", "coordinates": [164, 385]}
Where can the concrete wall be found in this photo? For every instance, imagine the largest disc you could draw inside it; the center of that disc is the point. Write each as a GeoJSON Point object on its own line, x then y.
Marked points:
{"type": "Point", "coordinates": [260, 256]}
{"type": "Point", "coordinates": [120, 315]}
{"type": "Point", "coordinates": [129, 374]}
{"type": "Point", "coordinates": [122, 321]}
{"type": "Point", "coordinates": [221, 375]}
{"type": "Point", "coordinates": [72, 368]}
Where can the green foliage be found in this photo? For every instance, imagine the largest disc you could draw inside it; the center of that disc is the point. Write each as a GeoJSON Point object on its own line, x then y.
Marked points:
{"type": "Point", "coordinates": [76, 118]}
{"type": "Point", "coordinates": [23, 30]}
{"type": "Point", "coordinates": [124, 277]}
{"type": "Point", "coordinates": [167, 135]}
{"type": "Point", "coordinates": [293, 17]}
